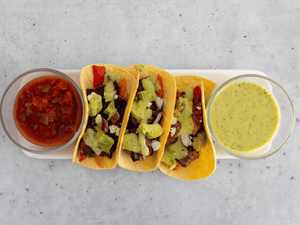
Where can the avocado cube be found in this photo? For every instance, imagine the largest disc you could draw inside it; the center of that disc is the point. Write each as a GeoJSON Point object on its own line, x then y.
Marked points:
{"type": "Point", "coordinates": [105, 142]}
{"type": "Point", "coordinates": [169, 159]}
{"type": "Point", "coordinates": [131, 143]}
{"type": "Point", "coordinates": [140, 111]}
{"type": "Point", "coordinates": [109, 91]}
{"type": "Point", "coordinates": [112, 76]}
{"type": "Point", "coordinates": [95, 104]}
{"type": "Point", "coordinates": [151, 131]}
{"type": "Point", "coordinates": [110, 110]}
{"type": "Point", "coordinates": [150, 88]}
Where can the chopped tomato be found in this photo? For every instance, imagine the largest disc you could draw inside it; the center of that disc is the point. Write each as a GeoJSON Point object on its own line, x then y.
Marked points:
{"type": "Point", "coordinates": [160, 93]}
{"type": "Point", "coordinates": [99, 72]}
{"type": "Point", "coordinates": [177, 167]}
{"type": "Point", "coordinates": [122, 85]}
{"type": "Point", "coordinates": [197, 95]}
{"type": "Point", "coordinates": [82, 157]}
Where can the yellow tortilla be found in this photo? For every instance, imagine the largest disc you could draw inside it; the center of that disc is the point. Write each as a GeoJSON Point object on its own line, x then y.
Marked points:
{"type": "Point", "coordinates": [169, 85]}
{"type": "Point", "coordinates": [205, 165]}
{"type": "Point", "coordinates": [86, 82]}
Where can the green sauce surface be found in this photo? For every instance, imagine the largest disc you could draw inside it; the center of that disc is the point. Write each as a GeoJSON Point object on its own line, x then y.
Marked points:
{"type": "Point", "coordinates": [244, 116]}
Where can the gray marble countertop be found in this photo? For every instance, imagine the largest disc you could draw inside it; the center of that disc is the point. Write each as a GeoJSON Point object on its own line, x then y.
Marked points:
{"type": "Point", "coordinates": [257, 35]}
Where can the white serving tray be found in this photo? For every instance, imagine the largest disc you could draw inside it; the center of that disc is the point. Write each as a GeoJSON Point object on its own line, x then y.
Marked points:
{"type": "Point", "coordinates": [218, 76]}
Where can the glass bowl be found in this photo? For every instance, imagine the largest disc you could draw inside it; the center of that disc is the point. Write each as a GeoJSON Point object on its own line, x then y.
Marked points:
{"type": "Point", "coordinates": [7, 111]}
{"type": "Point", "coordinates": [286, 117]}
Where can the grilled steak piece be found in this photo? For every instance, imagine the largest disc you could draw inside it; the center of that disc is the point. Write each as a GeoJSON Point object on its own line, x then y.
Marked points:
{"type": "Point", "coordinates": [192, 155]}
{"type": "Point", "coordinates": [135, 156]}
{"type": "Point", "coordinates": [87, 150]}
{"type": "Point", "coordinates": [173, 138]}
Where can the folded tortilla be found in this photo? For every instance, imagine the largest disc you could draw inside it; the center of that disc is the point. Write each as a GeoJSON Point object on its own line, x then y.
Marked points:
{"type": "Point", "coordinates": [169, 85]}
{"type": "Point", "coordinates": [205, 165]}
{"type": "Point", "coordinates": [86, 82]}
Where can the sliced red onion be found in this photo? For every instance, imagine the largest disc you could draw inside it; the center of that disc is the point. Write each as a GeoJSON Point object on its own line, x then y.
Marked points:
{"type": "Point", "coordinates": [159, 115]}
{"type": "Point", "coordinates": [173, 131]}
{"type": "Point", "coordinates": [159, 102]}
{"type": "Point", "coordinates": [185, 140]}
{"type": "Point", "coordinates": [155, 145]}
{"type": "Point", "coordinates": [174, 120]}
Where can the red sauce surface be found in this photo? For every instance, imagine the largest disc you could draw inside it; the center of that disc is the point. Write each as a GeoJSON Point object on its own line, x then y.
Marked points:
{"type": "Point", "coordinates": [48, 111]}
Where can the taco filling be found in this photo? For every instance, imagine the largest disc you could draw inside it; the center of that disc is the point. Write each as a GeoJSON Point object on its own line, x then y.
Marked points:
{"type": "Point", "coordinates": [106, 107]}
{"type": "Point", "coordinates": [187, 135]}
{"type": "Point", "coordinates": [144, 125]}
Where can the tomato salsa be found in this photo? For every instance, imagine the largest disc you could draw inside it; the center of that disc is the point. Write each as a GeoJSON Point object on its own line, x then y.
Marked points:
{"type": "Point", "coordinates": [47, 111]}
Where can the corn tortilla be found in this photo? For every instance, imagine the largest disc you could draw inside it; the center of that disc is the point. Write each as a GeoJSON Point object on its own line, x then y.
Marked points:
{"type": "Point", "coordinates": [86, 82]}
{"type": "Point", "coordinates": [169, 85]}
{"type": "Point", "coordinates": [205, 165]}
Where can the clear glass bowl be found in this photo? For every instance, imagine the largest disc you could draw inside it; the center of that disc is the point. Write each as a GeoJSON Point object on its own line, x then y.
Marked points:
{"type": "Point", "coordinates": [286, 120]}
{"type": "Point", "coordinates": [7, 111]}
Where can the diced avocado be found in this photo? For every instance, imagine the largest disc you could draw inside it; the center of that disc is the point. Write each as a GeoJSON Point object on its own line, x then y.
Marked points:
{"type": "Point", "coordinates": [153, 79]}
{"type": "Point", "coordinates": [90, 140]}
{"type": "Point", "coordinates": [169, 159]}
{"type": "Point", "coordinates": [183, 110]}
{"type": "Point", "coordinates": [144, 148]}
{"type": "Point", "coordinates": [148, 114]}
{"type": "Point", "coordinates": [187, 127]}
{"type": "Point", "coordinates": [151, 131]}
{"type": "Point", "coordinates": [199, 141]}
{"type": "Point", "coordinates": [131, 143]}
{"type": "Point", "coordinates": [105, 142]}
{"type": "Point", "coordinates": [140, 67]}
{"type": "Point", "coordinates": [110, 110]}
{"type": "Point", "coordinates": [150, 88]}
{"type": "Point", "coordinates": [189, 94]}
{"type": "Point", "coordinates": [99, 130]}
{"type": "Point", "coordinates": [144, 96]}
{"type": "Point", "coordinates": [178, 150]}
{"type": "Point", "coordinates": [140, 112]}
{"type": "Point", "coordinates": [98, 120]}
{"type": "Point", "coordinates": [112, 76]}
{"type": "Point", "coordinates": [109, 91]}
{"type": "Point", "coordinates": [95, 104]}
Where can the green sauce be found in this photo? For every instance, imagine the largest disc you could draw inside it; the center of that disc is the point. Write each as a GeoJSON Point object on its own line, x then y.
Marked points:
{"type": "Point", "coordinates": [244, 117]}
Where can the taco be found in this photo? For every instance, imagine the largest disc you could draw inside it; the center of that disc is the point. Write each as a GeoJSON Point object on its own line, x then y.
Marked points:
{"type": "Point", "coordinates": [189, 151]}
{"type": "Point", "coordinates": [108, 94]}
{"type": "Point", "coordinates": [149, 120]}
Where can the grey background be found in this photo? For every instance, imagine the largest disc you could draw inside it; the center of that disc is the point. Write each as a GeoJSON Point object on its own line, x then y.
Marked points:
{"type": "Point", "coordinates": [208, 34]}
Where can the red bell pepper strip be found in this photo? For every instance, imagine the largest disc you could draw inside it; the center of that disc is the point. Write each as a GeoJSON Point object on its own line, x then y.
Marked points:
{"type": "Point", "coordinates": [197, 95]}
{"type": "Point", "coordinates": [99, 73]}
{"type": "Point", "coordinates": [160, 93]}
{"type": "Point", "coordinates": [122, 87]}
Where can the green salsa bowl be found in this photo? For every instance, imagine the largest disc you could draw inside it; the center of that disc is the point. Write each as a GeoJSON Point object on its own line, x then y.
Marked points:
{"type": "Point", "coordinates": [250, 116]}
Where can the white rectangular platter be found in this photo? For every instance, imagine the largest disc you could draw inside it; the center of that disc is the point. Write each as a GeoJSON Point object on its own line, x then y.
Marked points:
{"type": "Point", "coordinates": [218, 76]}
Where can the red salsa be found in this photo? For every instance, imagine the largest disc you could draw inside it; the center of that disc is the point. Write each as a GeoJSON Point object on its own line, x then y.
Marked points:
{"type": "Point", "coordinates": [48, 111]}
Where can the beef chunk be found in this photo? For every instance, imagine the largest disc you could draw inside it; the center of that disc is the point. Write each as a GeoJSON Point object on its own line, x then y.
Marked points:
{"type": "Point", "coordinates": [172, 139]}
{"type": "Point", "coordinates": [192, 155]}
{"type": "Point", "coordinates": [135, 156]}
{"type": "Point", "coordinates": [87, 150]}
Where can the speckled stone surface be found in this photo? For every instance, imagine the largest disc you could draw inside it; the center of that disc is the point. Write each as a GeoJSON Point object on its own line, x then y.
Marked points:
{"type": "Point", "coordinates": [260, 35]}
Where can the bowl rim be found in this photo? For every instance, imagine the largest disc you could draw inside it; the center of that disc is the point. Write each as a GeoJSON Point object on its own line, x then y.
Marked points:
{"type": "Point", "coordinates": [77, 88]}
{"type": "Point", "coordinates": [219, 89]}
